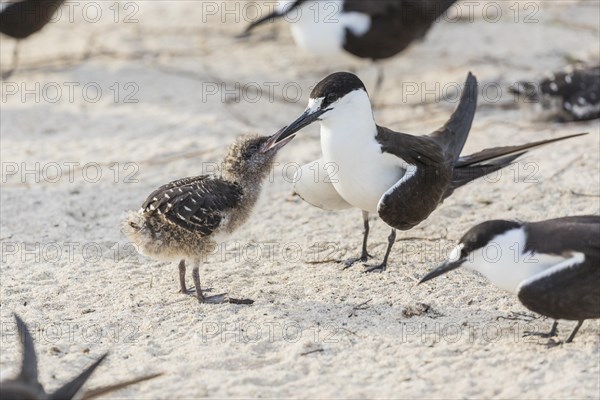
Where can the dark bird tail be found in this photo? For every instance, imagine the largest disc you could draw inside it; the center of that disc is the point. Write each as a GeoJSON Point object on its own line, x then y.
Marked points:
{"type": "Point", "coordinates": [70, 389]}
{"type": "Point", "coordinates": [454, 133]}
{"type": "Point", "coordinates": [474, 166]}
{"type": "Point", "coordinates": [92, 394]}
{"type": "Point", "coordinates": [29, 370]}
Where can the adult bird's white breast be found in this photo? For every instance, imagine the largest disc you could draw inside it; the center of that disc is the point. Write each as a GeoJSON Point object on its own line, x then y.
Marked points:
{"type": "Point", "coordinates": [364, 172]}
{"type": "Point", "coordinates": [320, 26]}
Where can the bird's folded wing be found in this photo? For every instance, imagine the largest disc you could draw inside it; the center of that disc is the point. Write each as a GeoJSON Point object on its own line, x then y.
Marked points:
{"type": "Point", "coordinates": [414, 197]}
{"type": "Point", "coordinates": [565, 235]}
{"type": "Point", "coordinates": [421, 188]}
{"type": "Point", "coordinates": [568, 290]}
{"type": "Point", "coordinates": [197, 203]}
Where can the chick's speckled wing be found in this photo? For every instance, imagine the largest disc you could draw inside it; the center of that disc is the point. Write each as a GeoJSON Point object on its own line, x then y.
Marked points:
{"type": "Point", "coordinates": [197, 204]}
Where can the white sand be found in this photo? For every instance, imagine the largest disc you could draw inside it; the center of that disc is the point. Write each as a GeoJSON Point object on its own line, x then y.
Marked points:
{"type": "Point", "coordinates": [68, 271]}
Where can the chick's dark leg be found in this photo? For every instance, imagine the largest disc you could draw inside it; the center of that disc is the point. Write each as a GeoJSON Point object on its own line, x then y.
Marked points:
{"type": "Point", "coordinates": [572, 335]}
{"type": "Point", "coordinates": [217, 299]}
{"type": "Point", "coordinates": [382, 267]}
{"type": "Point", "coordinates": [364, 255]}
{"type": "Point", "coordinates": [196, 277]}
{"type": "Point", "coordinates": [182, 287]}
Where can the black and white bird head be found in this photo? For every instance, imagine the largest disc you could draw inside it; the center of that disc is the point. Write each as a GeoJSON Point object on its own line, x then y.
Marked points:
{"type": "Point", "coordinates": [498, 250]}
{"type": "Point", "coordinates": [252, 156]}
{"type": "Point", "coordinates": [341, 96]}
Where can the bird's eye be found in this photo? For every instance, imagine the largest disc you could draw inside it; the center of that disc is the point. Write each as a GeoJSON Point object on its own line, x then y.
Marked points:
{"type": "Point", "coordinates": [330, 98]}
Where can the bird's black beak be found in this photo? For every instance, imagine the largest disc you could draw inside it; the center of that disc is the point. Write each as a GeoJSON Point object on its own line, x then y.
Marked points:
{"type": "Point", "coordinates": [307, 118]}
{"type": "Point", "coordinates": [269, 17]}
{"type": "Point", "coordinates": [442, 269]}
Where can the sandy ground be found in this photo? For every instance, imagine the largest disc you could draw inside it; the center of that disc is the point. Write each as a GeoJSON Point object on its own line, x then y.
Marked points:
{"type": "Point", "coordinates": [314, 330]}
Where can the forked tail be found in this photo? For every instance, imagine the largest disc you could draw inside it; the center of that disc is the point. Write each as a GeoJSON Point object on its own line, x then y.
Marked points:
{"type": "Point", "coordinates": [474, 166]}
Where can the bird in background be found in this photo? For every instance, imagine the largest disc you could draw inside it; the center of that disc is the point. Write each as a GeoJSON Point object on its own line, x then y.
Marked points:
{"type": "Point", "coordinates": [400, 177]}
{"type": "Point", "coordinates": [374, 30]}
{"type": "Point", "coordinates": [27, 386]}
{"type": "Point", "coordinates": [21, 19]}
{"type": "Point", "coordinates": [553, 266]}
{"type": "Point", "coordinates": [572, 94]}
{"type": "Point", "coordinates": [186, 219]}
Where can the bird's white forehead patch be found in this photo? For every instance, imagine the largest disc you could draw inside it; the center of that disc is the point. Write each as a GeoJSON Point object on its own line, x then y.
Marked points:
{"type": "Point", "coordinates": [314, 104]}
{"type": "Point", "coordinates": [455, 253]}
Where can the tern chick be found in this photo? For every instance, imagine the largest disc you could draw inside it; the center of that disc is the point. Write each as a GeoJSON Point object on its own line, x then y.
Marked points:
{"type": "Point", "coordinates": [569, 95]}
{"type": "Point", "coordinates": [181, 220]}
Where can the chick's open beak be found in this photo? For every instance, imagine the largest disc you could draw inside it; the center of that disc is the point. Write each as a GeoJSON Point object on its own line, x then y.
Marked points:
{"type": "Point", "coordinates": [274, 143]}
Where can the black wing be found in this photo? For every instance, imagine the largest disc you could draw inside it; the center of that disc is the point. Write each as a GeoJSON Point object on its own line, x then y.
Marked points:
{"type": "Point", "coordinates": [566, 235]}
{"type": "Point", "coordinates": [395, 24]}
{"type": "Point", "coordinates": [455, 132]}
{"type": "Point", "coordinates": [422, 187]}
{"type": "Point", "coordinates": [568, 291]}
{"type": "Point", "coordinates": [197, 204]}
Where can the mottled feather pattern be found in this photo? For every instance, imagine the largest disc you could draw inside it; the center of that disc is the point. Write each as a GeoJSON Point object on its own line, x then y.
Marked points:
{"type": "Point", "coordinates": [184, 218]}
{"type": "Point", "coordinates": [575, 91]}
{"type": "Point", "coordinates": [197, 204]}
{"type": "Point", "coordinates": [579, 90]}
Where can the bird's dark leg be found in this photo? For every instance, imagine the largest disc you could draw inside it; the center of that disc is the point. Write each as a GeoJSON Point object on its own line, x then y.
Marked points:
{"type": "Point", "coordinates": [15, 62]}
{"type": "Point", "coordinates": [364, 255]}
{"type": "Point", "coordinates": [381, 267]}
{"type": "Point", "coordinates": [554, 329]}
{"type": "Point", "coordinates": [572, 335]}
{"type": "Point", "coordinates": [196, 277]}
{"type": "Point", "coordinates": [217, 299]}
{"type": "Point", "coordinates": [378, 82]}
{"type": "Point", "coordinates": [182, 287]}
{"type": "Point", "coordinates": [552, 333]}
